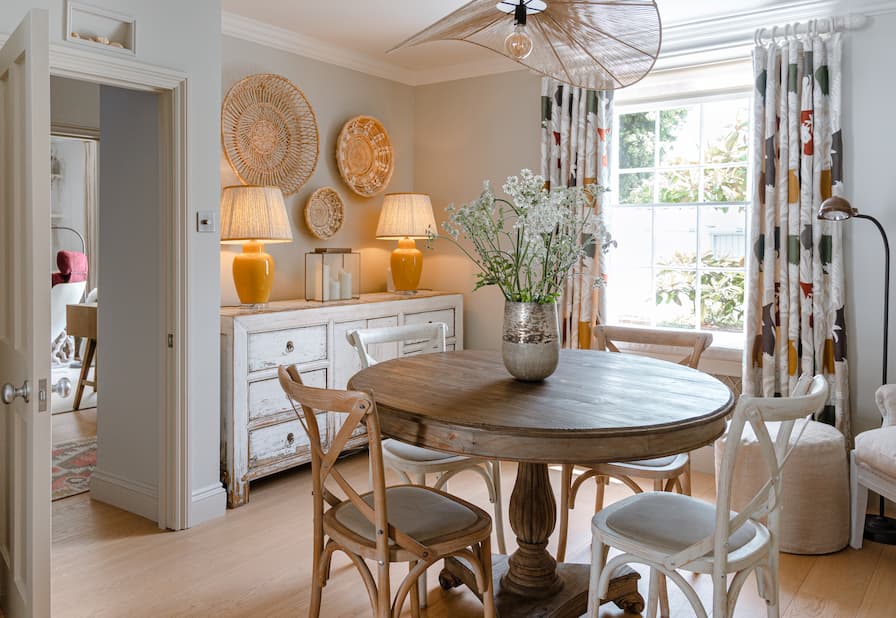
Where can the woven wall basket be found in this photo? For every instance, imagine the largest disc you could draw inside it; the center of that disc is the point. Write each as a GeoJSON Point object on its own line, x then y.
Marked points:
{"type": "Point", "coordinates": [269, 132]}
{"type": "Point", "coordinates": [324, 212]}
{"type": "Point", "coordinates": [365, 155]}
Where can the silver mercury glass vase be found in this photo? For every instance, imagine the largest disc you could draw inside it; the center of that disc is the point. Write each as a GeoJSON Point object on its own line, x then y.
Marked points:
{"type": "Point", "coordinates": [530, 344]}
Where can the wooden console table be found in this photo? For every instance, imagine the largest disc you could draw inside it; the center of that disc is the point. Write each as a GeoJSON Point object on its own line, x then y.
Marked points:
{"type": "Point", "coordinates": [80, 321]}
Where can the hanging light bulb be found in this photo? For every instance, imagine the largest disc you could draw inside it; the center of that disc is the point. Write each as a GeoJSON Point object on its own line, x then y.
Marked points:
{"type": "Point", "coordinates": [518, 43]}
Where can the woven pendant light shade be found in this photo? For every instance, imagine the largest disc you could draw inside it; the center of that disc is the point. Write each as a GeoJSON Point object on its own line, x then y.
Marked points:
{"type": "Point", "coordinates": [269, 132]}
{"type": "Point", "coordinates": [596, 44]}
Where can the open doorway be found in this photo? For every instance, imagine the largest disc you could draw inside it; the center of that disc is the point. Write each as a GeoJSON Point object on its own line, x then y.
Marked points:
{"type": "Point", "coordinates": [108, 248]}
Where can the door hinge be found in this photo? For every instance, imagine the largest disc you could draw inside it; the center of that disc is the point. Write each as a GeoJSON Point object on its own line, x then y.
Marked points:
{"type": "Point", "coordinates": [170, 340]}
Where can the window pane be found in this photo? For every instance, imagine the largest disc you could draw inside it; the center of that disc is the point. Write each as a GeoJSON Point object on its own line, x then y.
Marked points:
{"type": "Point", "coordinates": [675, 236]}
{"type": "Point", "coordinates": [676, 296]}
{"type": "Point", "coordinates": [636, 188]}
{"type": "Point", "coordinates": [629, 295]}
{"type": "Point", "coordinates": [726, 127]}
{"type": "Point", "coordinates": [680, 136]}
{"type": "Point", "coordinates": [637, 140]}
{"type": "Point", "coordinates": [679, 186]}
{"type": "Point", "coordinates": [722, 300]}
{"type": "Point", "coordinates": [725, 184]}
{"type": "Point", "coordinates": [723, 236]}
{"type": "Point", "coordinates": [630, 228]}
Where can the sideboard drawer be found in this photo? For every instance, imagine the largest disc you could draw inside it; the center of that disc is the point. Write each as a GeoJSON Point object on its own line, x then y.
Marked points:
{"type": "Point", "coordinates": [282, 440]}
{"type": "Point", "coordinates": [440, 315]}
{"type": "Point", "coordinates": [287, 347]}
{"type": "Point", "coordinates": [266, 397]}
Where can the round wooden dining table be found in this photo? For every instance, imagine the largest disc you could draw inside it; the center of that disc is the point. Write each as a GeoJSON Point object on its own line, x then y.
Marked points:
{"type": "Point", "coordinates": [597, 407]}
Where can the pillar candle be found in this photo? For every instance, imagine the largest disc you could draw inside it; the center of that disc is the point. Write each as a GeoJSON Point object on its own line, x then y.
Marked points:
{"type": "Point", "coordinates": [334, 290]}
{"type": "Point", "coordinates": [345, 284]}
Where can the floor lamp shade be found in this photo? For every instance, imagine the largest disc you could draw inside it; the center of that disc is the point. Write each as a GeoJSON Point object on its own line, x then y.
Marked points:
{"type": "Point", "coordinates": [252, 216]}
{"type": "Point", "coordinates": [406, 217]}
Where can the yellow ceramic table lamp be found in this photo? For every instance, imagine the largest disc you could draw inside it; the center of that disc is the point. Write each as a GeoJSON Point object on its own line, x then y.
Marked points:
{"type": "Point", "coordinates": [252, 216]}
{"type": "Point", "coordinates": [406, 217]}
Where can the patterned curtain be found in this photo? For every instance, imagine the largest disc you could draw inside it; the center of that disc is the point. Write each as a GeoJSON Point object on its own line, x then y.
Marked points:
{"type": "Point", "coordinates": [795, 297]}
{"type": "Point", "coordinates": [575, 151]}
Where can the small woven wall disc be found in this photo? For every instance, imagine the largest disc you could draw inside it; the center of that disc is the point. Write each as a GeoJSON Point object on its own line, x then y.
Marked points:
{"type": "Point", "coordinates": [269, 132]}
{"type": "Point", "coordinates": [324, 212]}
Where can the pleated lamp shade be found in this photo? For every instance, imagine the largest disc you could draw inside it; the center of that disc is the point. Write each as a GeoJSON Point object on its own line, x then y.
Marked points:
{"type": "Point", "coordinates": [406, 215]}
{"type": "Point", "coordinates": [252, 213]}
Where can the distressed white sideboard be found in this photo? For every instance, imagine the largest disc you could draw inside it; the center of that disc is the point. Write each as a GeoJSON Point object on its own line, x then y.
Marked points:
{"type": "Point", "coordinates": [260, 434]}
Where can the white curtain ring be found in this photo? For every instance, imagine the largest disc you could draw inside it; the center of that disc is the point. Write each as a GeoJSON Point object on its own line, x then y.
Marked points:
{"type": "Point", "coordinates": [831, 26]}
{"type": "Point", "coordinates": [774, 35]}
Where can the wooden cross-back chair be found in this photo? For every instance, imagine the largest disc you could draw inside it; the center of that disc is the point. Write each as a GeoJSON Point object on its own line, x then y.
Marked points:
{"type": "Point", "coordinates": [668, 532]}
{"type": "Point", "coordinates": [404, 523]}
{"type": "Point", "coordinates": [667, 473]}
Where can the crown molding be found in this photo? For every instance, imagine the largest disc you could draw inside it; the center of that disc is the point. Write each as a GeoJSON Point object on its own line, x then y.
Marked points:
{"type": "Point", "coordinates": [254, 31]}
{"type": "Point", "coordinates": [694, 42]}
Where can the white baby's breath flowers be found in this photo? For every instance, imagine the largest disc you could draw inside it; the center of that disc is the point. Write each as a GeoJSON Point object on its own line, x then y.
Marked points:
{"type": "Point", "coordinates": [528, 245]}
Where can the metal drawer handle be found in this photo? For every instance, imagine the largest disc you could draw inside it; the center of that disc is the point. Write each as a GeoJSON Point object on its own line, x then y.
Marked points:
{"type": "Point", "coordinates": [290, 438]}
{"type": "Point", "coordinates": [290, 346]}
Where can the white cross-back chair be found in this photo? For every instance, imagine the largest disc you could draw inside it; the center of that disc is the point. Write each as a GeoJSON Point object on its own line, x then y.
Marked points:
{"type": "Point", "coordinates": [667, 473]}
{"type": "Point", "coordinates": [405, 523]}
{"type": "Point", "coordinates": [668, 531]}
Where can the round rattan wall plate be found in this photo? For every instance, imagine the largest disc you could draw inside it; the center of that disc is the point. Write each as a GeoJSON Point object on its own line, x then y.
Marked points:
{"type": "Point", "coordinates": [269, 132]}
{"type": "Point", "coordinates": [324, 212]}
{"type": "Point", "coordinates": [365, 155]}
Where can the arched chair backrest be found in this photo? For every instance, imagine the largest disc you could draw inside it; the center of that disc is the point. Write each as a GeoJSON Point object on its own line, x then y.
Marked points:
{"type": "Point", "coordinates": [359, 408]}
{"type": "Point", "coordinates": [431, 337]}
{"type": "Point", "coordinates": [808, 397]}
{"type": "Point", "coordinates": [606, 337]}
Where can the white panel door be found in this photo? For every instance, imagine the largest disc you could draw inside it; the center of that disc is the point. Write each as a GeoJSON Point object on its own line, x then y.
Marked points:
{"type": "Point", "coordinates": [25, 319]}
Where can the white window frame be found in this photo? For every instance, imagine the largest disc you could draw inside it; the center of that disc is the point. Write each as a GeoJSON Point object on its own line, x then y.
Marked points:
{"type": "Point", "coordinates": [725, 339]}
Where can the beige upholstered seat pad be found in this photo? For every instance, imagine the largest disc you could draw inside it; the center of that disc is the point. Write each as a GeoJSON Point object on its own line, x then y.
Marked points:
{"type": "Point", "coordinates": [877, 449]}
{"type": "Point", "coordinates": [669, 522]}
{"type": "Point", "coordinates": [414, 453]}
{"type": "Point", "coordinates": [656, 462]}
{"type": "Point", "coordinates": [420, 512]}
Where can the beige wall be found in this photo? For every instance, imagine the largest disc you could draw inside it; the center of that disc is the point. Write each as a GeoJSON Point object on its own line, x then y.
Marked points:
{"type": "Point", "coordinates": [336, 95]}
{"type": "Point", "coordinates": [467, 131]}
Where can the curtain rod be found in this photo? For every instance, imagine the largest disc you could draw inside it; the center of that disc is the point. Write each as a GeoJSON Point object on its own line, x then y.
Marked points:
{"type": "Point", "coordinates": [797, 30]}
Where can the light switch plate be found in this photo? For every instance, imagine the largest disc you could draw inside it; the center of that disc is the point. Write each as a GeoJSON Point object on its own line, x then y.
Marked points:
{"type": "Point", "coordinates": [206, 221]}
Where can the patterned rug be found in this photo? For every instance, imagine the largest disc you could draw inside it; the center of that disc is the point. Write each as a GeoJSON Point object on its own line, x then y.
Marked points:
{"type": "Point", "coordinates": [73, 462]}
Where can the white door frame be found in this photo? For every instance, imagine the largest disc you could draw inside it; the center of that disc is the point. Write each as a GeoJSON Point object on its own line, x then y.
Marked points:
{"type": "Point", "coordinates": [174, 491]}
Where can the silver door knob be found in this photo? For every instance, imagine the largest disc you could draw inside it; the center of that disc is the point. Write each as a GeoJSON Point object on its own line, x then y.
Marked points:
{"type": "Point", "coordinates": [63, 388]}
{"type": "Point", "coordinates": [10, 392]}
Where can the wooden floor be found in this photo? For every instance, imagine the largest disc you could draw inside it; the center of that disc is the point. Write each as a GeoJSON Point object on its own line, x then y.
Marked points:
{"type": "Point", "coordinates": [255, 562]}
{"type": "Point", "coordinates": [74, 425]}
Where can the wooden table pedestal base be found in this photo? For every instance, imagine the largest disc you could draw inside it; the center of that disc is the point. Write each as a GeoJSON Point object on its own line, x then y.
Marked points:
{"type": "Point", "coordinates": [571, 601]}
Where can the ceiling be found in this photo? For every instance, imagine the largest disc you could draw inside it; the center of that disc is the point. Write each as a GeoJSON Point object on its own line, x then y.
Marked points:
{"type": "Point", "coordinates": [363, 30]}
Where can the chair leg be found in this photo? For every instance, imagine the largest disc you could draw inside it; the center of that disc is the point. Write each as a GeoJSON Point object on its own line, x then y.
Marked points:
{"type": "Point", "coordinates": [658, 484]}
{"type": "Point", "coordinates": [421, 588]}
{"type": "Point", "coordinates": [859, 505]}
{"type": "Point", "coordinates": [664, 595]}
{"type": "Point", "coordinates": [684, 481]}
{"type": "Point", "coordinates": [415, 593]}
{"type": "Point", "coordinates": [499, 507]}
{"type": "Point", "coordinates": [488, 595]}
{"type": "Point", "coordinates": [316, 587]}
{"type": "Point", "coordinates": [565, 483]}
{"type": "Point", "coordinates": [601, 485]}
{"type": "Point", "coordinates": [598, 560]}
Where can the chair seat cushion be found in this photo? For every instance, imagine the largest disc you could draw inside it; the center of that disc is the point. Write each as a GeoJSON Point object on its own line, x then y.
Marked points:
{"type": "Point", "coordinates": [422, 513]}
{"type": "Point", "coordinates": [656, 462]}
{"type": "Point", "coordinates": [669, 522]}
{"type": "Point", "coordinates": [877, 449]}
{"type": "Point", "coordinates": [410, 452]}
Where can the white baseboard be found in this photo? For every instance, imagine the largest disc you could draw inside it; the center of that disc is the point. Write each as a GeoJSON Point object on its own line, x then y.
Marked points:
{"type": "Point", "coordinates": [207, 503]}
{"type": "Point", "coordinates": [132, 496]}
